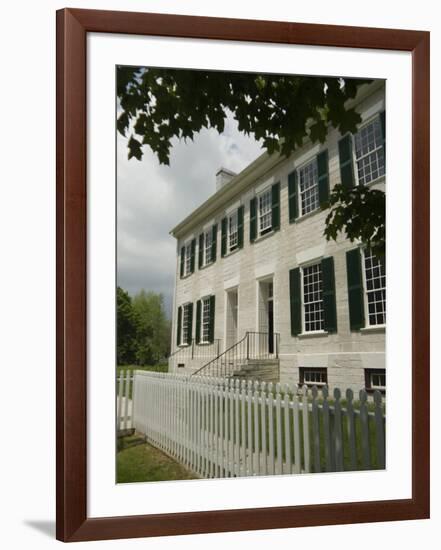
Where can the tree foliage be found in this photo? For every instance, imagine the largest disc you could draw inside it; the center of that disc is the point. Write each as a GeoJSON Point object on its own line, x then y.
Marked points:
{"type": "Point", "coordinates": [159, 105]}
{"type": "Point", "coordinates": [154, 328]}
{"type": "Point", "coordinates": [143, 329]}
{"type": "Point", "coordinates": [360, 213]}
{"type": "Point", "coordinates": [127, 328]}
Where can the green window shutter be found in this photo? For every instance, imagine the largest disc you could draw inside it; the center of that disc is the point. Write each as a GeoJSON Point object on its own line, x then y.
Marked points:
{"type": "Point", "coordinates": [182, 260]}
{"type": "Point", "coordinates": [293, 202]}
{"type": "Point", "coordinates": [240, 227]}
{"type": "Point", "coordinates": [201, 250]}
{"type": "Point", "coordinates": [253, 219]}
{"type": "Point", "coordinates": [383, 132]}
{"type": "Point", "coordinates": [355, 289]}
{"type": "Point", "coordinates": [198, 321]}
{"type": "Point", "coordinates": [323, 177]}
{"type": "Point", "coordinates": [179, 326]}
{"type": "Point", "coordinates": [224, 237]}
{"type": "Point", "coordinates": [295, 301]}
{"type": "Point", "coordinates": [346, 161]}
{"type": "Point", "coordinates": [214, 243]}
{"type": "Point", "coordinates": [212, 316]}
{"type": "Point", "coordinates": [190, 324]}
{"type": "Point", "coordinates": [193, 254]}
{"type": "Point", "coordinates": [329, 305]}
{"type": "Point", "coordinates": [275, 206]}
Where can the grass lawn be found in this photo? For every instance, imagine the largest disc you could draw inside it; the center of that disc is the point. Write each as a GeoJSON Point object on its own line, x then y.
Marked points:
{"type": "Point", "coordinates": [138, 461]}
{"type": "Point", "coordinates": [160, 367]}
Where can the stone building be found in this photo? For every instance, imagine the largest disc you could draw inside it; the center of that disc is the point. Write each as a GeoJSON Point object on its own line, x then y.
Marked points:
{"type": "Point", "coordinates": [261, 293]}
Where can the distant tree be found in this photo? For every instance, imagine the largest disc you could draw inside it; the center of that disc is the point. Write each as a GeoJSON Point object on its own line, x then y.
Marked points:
{"type": "Point", "coordinates": [158, 105]}
{"type": "Point", "coordinates": [153, 334]}
{"type": "Point", "coordinates": [127, 328]}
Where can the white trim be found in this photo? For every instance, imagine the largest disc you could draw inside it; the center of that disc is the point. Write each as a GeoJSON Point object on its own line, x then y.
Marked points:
{"type": "Point", "coordinates": [208, 224]}
{"type": "Point", "coordinates": [367, 324]}
{"type": "Point", "coordinates": [311, 255]}
{"type": "Point", "coordinates": [305, 157]}
{"type": "Point", "coordinates": [313, 334]}
{"type": "Point", "coordinates": [230, 284]}
{"type": "Point", "coordinates": [264, 185]}
{"type": "Point", "coordinates": [302, 301]}
{"type": "Point", "coordinates": [230, 209]}
{"type": "Point", "coordinates": [267, 192]}
{"type": "Point", "coordinates": [299, 191]}
{"type": "Point", "coordinates": [364, 123]}
{"type": "Point", "coordinates": [265, 271]}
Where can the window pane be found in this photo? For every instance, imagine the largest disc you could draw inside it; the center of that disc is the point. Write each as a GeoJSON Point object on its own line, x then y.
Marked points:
{"type": "Point", "coordinates": [314, 376]}
{"type": "Point", "coordinates": [205, 319]}
{"type": "Point", "coordinates": [185, 323]}
{"type": "Point", "coordinates": [313, 298]}
{"type": "Point", "coordinates": [232, 231]}
{"type": "Point", "coordinates": [375, 275]}
{"type": "Point", "coordinates": [208, 240]}
{"type": "Point", "coordinates": [369, 152]}
{"type": "Point", "coordinates": [265, 213]}
{"type": "Point", "coordinates": [378, 379]}
{"type": "Point", "coordinates": [187, 258]}
{"type": "Point", "coordinates": [308, 182]}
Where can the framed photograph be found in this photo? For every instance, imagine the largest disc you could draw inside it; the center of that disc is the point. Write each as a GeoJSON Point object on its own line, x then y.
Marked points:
{"type": "Point", "coordinates": [224, 191]}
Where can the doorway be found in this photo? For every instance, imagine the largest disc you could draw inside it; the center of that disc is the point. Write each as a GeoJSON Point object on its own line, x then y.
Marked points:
{"type": "Point", "coordinates": [232, 315]}
{"type": "Point", "coordinates": [266, 317]}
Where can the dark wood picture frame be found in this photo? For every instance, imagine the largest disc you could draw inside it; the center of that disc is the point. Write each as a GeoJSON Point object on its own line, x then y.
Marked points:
{"type": "Point", "coordinates": [72, 28]}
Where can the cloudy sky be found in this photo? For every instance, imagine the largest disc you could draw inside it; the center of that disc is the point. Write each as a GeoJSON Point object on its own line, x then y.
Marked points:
{"type": "Point", "coordinates": [153, 198]}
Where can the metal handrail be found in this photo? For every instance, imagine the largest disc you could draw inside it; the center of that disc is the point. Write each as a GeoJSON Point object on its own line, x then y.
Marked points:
{"type": "Point", "coordinates": [249, 347]}
{"type": "Point", "coordinates": [189, 349]}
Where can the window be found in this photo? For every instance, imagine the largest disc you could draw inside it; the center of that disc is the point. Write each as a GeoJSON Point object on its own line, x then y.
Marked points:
{"type": "Point", "coordinates": [186, 327]}
{"type": "Point", "coordinates": [205, 321]}
{"type": "Point", "coordinates": [208, 242]}
{"type": "Point", "coordinates": [309, 189]}
{"type": "Point", "coordinates": [187, 260]}
{"type": "Point", "coordinates": [313, 376]}
{"type": "Point", "coordinates": [265, 212]}
{"type": "Point", "coordinates": [233, 232]}
{"type": "Point", "coordinates": [313, 311]}
{"type": "Point", "coordinates": [375, 379]}
{"type": "Point", "coordinates": [369, 152]}
{"type": "Point", "coordinates": [375, 289]}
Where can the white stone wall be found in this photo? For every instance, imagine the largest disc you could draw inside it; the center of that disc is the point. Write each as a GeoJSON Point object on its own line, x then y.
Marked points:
{"type": "Point", "coordinates": [346, 354]}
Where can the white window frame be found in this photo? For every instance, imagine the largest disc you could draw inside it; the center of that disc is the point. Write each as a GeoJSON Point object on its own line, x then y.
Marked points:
{"type": "Point", "coordinates": [375, 386]}
{"type": "Point", "coordinates": [365, 123]}
{"type": "Point", "coordinates": [302, 281]}
{"type": "Point", "coordinates": [366, 293]}
{"type": "Point", "coordinates": [315, 187]}
{"type": "Point", "coordinates": [233, 235]}
{"type": "Point", "coordinates": [316, 370]}
{"type": "Point", "coordinates": [205, 319]}
{"type": "Point", "coordinates": [208, 238]}
{"type": "Point", "coordinates": [267, 214]}
{"type": "Point", "coordinates": [183, 340]}
{"type": "Point", "coordinates": [187, 258]}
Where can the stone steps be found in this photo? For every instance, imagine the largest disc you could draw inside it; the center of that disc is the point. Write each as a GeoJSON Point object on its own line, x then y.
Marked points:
{"type": "Point", "coordinates": [266, 370]}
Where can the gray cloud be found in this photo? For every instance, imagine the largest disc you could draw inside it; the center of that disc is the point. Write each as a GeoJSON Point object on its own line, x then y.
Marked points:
{"type": "Point", "coordinates": [151, 199]}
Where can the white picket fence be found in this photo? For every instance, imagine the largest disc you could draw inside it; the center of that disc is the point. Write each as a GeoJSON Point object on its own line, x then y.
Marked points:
{"type": "Point", "coordinates": [231, 428]}
{"type": "Point", "coordinates": [124, 401]}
